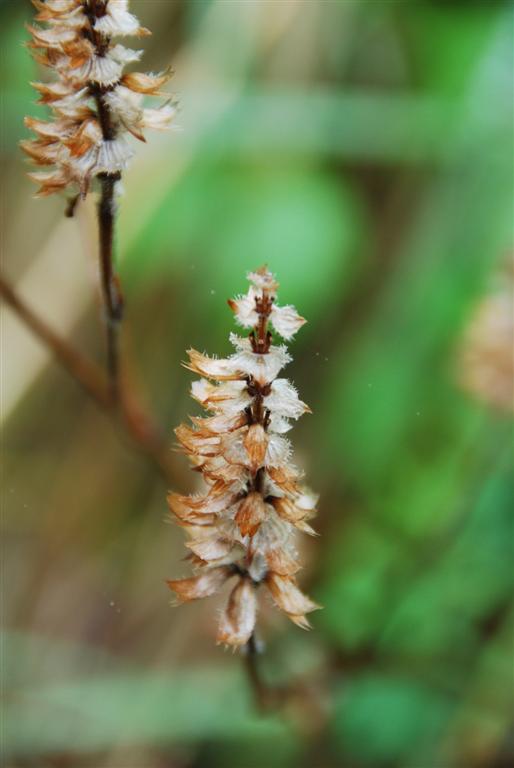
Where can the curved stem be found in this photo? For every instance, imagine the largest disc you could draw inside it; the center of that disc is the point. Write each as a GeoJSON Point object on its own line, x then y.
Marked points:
{"type": "Point", "coordinates": [137, 425]}
{"type": "Point", "coordinates": [87, 373]}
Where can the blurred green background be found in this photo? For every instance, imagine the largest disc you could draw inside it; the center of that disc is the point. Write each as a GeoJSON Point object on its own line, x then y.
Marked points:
{"type": "Point", "coordinates": [362, 149]}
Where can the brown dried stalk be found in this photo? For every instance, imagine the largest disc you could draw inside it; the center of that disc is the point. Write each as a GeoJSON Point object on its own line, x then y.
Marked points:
{"type": "Point", "coordinates": [263, 696]}
{"type": "Point", "coordinates": [112, 295]}
{"type": "Point", "coordinates": [93, 380]}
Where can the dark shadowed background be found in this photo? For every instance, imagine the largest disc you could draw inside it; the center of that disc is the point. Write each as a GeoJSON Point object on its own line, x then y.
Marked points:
{"type": "Point", "coordinates": [363, 151]}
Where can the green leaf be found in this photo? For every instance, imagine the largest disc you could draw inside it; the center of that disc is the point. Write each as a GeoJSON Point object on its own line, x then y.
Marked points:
{"type": "Point", "coordinates": [355, 589]}
{"type": "Point", "coordinates": [380, 719]}
{"type": "Point", "coordinates": [403, 362]}
{"type": "Point", "coordinates": [222, 221]}
{"type": "Point", "coordinates": [85, 700]}
{"type": "Point", "coordinates": [469, 578]}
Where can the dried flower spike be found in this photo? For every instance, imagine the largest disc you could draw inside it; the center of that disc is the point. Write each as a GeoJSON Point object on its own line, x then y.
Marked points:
{"type": "Point", "coordinates": [94, 104]}
{"type": "Point", "coordinates": [244, 525]}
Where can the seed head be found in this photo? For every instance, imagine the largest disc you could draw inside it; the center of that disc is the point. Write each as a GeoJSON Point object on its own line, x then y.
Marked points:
{"type": "Point", "coordinates": [244, 525]}
{"type": "Point", "coordinates": [94, 104]}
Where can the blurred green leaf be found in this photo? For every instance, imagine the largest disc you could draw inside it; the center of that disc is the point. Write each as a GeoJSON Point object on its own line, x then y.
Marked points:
{"type": "Point", "coordinates": [469, 578]}
{"type": "Point", "coordinates": [18, 69]}
{"type": "Point", "coordinates": [221, 221]}
{"type": "Point", "coordinates": [401, 365]}
{"type": "Point", "coordinates": [355, 591]}
{"type": "Point", "coordinates": [116, 704]}
{"type": "Point", "coordinates": [380, 719]}
{"type": "Point", "coordinates": [448, 42]}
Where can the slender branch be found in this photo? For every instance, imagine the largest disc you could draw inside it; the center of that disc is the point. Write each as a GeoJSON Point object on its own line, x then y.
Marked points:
{"type": "Point", "coordinates": [87, 373]}
{"type": "Point", "coordinates": [92, 379]}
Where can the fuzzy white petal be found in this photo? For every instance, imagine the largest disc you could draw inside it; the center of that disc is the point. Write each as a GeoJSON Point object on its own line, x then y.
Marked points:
{"type": "Point", "coordinates": [262, 367]}
{"type": "Point", "coordinates": [113, 156]}
{"type": "Point", "coordinates": [230, 397]}
{"type": "Point", "coordinates": [124, 55]}
{"type": "Point", "coordinates": [274, 533]}
{"type": "Point", "coordinates": [284, 401]}
{"type": "Point", "coordinates": [117, 20]}
{"type": "Point", "coordinates": [244, 308]}
{"type": "Point", "coordinates": [278, 424]}
{"type": "Point", "coordinates": [103, 70]}
{"type": "Point", "coordinates": [278, 450]}
{"type": "Point", "coordinates": [159, 119]}
{"type": "Point", "coordinates": [125, 104]}
{"type": "Point", "coordinates": [213, 367]}
{"type": "Point", "coordinates": [264, 280]}
{"type": "Point", "coordinates": [286, 321]}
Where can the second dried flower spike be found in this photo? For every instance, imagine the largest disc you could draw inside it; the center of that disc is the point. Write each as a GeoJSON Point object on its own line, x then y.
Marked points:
{"type": "Point", "coordinates": [94, 104]}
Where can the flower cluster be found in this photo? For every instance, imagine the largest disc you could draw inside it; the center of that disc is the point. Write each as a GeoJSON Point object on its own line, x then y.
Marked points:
{"type": "Point", "coordinates": [94, 104]}
{"type": "Point", "coordinates": [244, 525]}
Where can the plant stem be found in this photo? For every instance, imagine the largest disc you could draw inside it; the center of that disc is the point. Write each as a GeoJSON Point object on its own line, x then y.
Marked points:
{"type": "Point", "coordinates": [261, 692]}
{"type": "Point", "coordinates": [92, 379]}
{"type": "Point", "coordinates": [113, 302]}
{"type": "Point", "coordinates": [88, 374]}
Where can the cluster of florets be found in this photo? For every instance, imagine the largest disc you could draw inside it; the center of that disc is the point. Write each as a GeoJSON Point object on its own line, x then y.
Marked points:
{"type": "Point", "coordinates": [244, 525]}
{"type": "Point", "coordinates": [94, 104]}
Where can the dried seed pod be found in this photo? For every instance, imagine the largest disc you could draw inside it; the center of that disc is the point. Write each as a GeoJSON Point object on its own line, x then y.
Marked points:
{"type": "Point", "coordinates": [248, 519]}
{"type": "Point", "coordinates": [94, 104]}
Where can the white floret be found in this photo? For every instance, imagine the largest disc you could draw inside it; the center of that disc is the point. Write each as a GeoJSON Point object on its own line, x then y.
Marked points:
{"type": "Point", "coordinates": [286, 321]}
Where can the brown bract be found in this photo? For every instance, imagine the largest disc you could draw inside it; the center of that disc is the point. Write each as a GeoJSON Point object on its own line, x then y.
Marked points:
{"type": "Point", "coordinates": [238, 620]}
{"type": "Point", "coordinates": [251, 513]}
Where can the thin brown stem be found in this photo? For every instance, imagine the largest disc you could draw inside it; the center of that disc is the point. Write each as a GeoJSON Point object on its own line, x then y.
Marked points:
{"type": "Point", "coordinates": [262, 694]}
{"type": "Point", "coordinates": [113, 302]}
{"type": "Point", "coordinates": [89, 375]}
{"type": "Point", "coordinates": [111, 291]}
{"type": "Point", "coordinates": [136, 424]}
